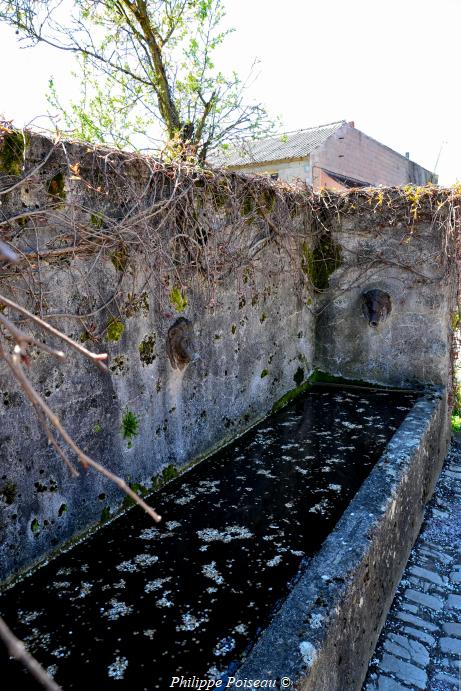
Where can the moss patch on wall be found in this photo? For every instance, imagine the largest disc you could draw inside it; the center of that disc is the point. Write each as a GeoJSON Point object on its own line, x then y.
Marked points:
{"type": "Point", "coordinates": [147, 353]}
{"type": "Point", "coordinates": [320, 262]}
{"type": "Point", "coordinates": [130, 426]}
{"type": "Point", "coordinates": [14, 145]}
{"type": "Point", "coordinates": [8, 492]}
{"type": "Point", "coordinates": [177, 299]}
{"type": "Point", "coordinates": [114, 330]}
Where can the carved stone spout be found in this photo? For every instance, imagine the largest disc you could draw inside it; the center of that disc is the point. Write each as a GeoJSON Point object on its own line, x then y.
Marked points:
{"type": "Point", "coordinates": [180, 344]}
{"type": "Point", "coordinates": [376, 306]}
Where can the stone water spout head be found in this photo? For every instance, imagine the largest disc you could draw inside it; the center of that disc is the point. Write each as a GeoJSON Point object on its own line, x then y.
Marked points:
{"type": "Point", "coordinates": [376, 306]}
{"type": "Point", "coordinates": [180, 344]}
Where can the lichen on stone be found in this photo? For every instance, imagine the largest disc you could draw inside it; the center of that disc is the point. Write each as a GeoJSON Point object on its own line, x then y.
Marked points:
{"type": "Point", "coordinates": [147, 353]}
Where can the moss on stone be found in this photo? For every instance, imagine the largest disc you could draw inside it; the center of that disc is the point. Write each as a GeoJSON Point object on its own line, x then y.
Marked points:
{"type": "Point", "coordinates": [14, 145]}
{"type": "Point", "coordinates": [119, 258]}
{"type": "Point", "coordinates": [130, 426]}
{"type": "Point", "coordinates": [264, 373]}
{"type": "Point", "coordinates": [321, 261]}
{"type": "Point", "coordinates": [9, 492]}
{"type": "Point", "coordinates": [137, 303]}
{"type": "Point", "coordinates": [298, 376]}
{"type": "Point", "coordinates": [177, 299]}
{"type": "Point", "coordinates": [139, 489]}
{"type": "Point", "coordinates": [290, 395]}
{"type": "Point", "coordinates": [105, 514]}
{"type": "Point", "coordinates": [115, 329]}
{"type": "Point", "coordinates": [62, 510]}
{"type": "Point", "coordinates": [169, 473]}
{"type": "Point", "coordinates": [35, 528]}
{"type": "Point", "coordinates": [147, 353]}
{"type": "Point", "coordinates": [97, 219]}
{"type": "Point", "coordinates": [119, 365]}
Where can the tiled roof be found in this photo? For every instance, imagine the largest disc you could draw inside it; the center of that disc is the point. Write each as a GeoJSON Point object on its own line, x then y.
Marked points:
{"type": "Point", "coordinates": [281, 147]}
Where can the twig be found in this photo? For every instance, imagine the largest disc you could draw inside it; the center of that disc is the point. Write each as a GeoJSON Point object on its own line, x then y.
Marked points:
{"type": "Point", "coordinates": [94, 357]}
{"type": "Point", "coordinates": [14, 363]}
{"type": "Point", "coordinates": [18, 650]}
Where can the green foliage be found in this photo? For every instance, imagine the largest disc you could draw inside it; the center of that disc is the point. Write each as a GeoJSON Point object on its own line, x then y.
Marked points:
{"type": "Point", "coordinates": [177, 299]}
{"type": "Point", "coordinates": [97, 428]}
{"type": "Point", "coordinates": [35, 527]}
{"type": "Point", "coordinates": [264, 373]}
{"type": "Point", "coordinates": [13, 146]}
{"type": "Point", "coordinates": [456, 423]}
{"type": "Point", "coordinates": [130, 426]}
{"type": "Point", "coordinates": [115, 329]}
{"type": "Point", "coordinates": [9, 492]}
{"type": "Point", "coordinates": [105, 514]}
{"type": "Point", "coordinates": [140, 63]}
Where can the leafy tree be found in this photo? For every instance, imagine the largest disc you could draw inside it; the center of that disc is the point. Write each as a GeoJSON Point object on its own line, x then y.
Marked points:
{"type": "Point", "coordinates": [141, 62]}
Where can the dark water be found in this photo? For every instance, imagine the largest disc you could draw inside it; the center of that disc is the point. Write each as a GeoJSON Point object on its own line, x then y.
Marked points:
{"type": "Point", "coordinates": [136, 603]}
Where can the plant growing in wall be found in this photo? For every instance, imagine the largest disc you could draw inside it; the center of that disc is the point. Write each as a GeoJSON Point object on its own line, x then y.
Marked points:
{"type": "Point", "coordinates": [142, 63]}
{"type": "Point", "coordinates": [130, 426]}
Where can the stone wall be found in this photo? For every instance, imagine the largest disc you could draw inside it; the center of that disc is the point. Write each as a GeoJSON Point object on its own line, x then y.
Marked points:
{"type": "Point", "coordinates": [261, 327]}
{"type": "Point", "coordinates": [252, 333]}
{"type": "Point", "coordinates": [412, 346]}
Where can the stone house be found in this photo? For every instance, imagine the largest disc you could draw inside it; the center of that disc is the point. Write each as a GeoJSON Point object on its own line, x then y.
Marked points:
{"type": "Point", "coordinates": [337, 156]}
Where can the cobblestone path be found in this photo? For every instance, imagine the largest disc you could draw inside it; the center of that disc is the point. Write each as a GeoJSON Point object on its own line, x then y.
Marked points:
{"type": "Point", "coordinates": [420, 645]}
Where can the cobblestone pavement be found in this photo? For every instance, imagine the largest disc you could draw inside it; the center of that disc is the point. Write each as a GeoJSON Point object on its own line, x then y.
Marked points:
{"type": "Point", "coordinates": [420, 644]}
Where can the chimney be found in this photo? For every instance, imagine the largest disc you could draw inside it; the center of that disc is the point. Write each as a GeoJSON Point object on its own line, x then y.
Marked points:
{"type": "Point", "coordinates": [351, 123]}
{"type": "Point", "coordinates": [407, 154]}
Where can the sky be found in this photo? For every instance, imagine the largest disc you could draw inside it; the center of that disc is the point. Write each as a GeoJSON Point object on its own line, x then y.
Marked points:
{"type": "Point", "coordinates": [393, 67]}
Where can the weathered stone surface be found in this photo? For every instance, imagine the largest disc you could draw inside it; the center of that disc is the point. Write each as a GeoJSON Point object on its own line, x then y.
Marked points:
{"type": "Point", "coordinates": [255, 343]}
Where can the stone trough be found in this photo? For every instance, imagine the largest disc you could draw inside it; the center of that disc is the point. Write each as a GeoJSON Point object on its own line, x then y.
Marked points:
{"type": "Point", "coordinates": [239, 585]}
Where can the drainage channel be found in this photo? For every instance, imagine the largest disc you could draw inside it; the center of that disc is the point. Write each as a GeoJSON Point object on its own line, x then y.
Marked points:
{"type": "Point", "coordinates": [137, 604]}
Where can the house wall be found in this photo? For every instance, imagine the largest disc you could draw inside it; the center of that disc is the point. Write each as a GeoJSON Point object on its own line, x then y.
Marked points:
{"type": "Point", "coordinates": [352, 153]}
{"type": "Point", "coordinates": [287, 170]}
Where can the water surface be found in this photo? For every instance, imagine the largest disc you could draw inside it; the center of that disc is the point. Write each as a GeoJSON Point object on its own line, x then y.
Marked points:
{"type": "Point", "coordinates": [136, 603]}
